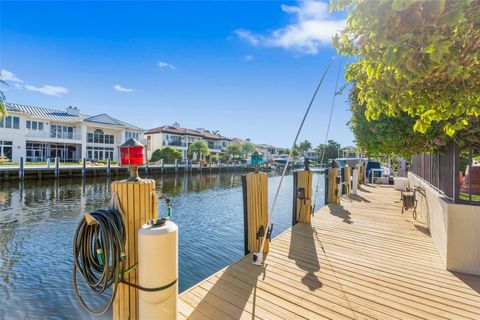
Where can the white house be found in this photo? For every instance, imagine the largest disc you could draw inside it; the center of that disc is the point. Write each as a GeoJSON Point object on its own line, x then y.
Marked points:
{"type": "Point", "coordinates": [180, 138]}
{"type": "Point", "coordinates": [40, 133]}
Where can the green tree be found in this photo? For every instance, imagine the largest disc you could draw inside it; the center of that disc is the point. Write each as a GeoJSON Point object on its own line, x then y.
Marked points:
{"type": "Point", "coordinates": [414, 58]}
{"type": "Point", "coordinates": [168, 154]}
{"type": "Point", "coordinates": [3, 108]}
{"type": "Point", "coordinates": [199, 148]}
{"type": "Point", "coordinates": [332, 149]}
{"type": "Point", "coordinates": [295, 153]}
{"type": "Point", "coordinates": [214, 157]}
{"type": "Point", "coordinates": [234, 150]}
{"type": "Point", "coordinates": [248, 148]}
{"type": "Point", "coordinates": [304, 146]}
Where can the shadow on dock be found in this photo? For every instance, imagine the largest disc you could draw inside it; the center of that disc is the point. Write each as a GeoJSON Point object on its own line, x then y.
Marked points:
{"type": "Point", "coordinates": [236, 284]}
{"type": "Point", "coordinates": [303, 251]}
{"type": "Point", "coordinates": [338, 211]}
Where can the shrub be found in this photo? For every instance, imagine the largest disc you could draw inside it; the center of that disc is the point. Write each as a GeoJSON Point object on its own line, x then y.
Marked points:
{"type": "Point", "coordinates": [168, 154]}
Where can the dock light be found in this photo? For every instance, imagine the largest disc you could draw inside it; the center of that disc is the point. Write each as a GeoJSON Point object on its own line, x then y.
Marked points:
{"type": "Point", "coordinates": [132, 155]}
{"type": "Point", "coordinates": [256, 159]}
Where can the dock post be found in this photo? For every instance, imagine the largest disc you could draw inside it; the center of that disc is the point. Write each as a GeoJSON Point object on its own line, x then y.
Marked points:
{"type": "Point", "coordinates": [21, 171]}
{"type": "Point", "coordinates": [355, 180]}
{"type": "Point", "coordinates": [346, 181]}
{"type": "Point", "coordinates": [333, 185]}
{"type": "Point", "coordinates": [48, 163]}
{"type": "Point", "coordinates": [218, 165]}
{"type": "Point", "coordinates": [162, 165]}
{"type": "Point", "coordinates": [302, 196]}
{"type": "Point", "coordinates": [255, 210]}
{"type": "Point", "coordinates": [325, 175]}
{"type": "Point", "coordinates": [176, 165]}
{"type": "Point", "coordinates": [84, 167]}
{"type": "Point", "coordinates": [108, 167]}
{"type": "Point", "coordinates": [57, 167]}
{"type": "Point", "coordinates": [139, 205]}
{"type": "Point", "coordinates": [364, 172]}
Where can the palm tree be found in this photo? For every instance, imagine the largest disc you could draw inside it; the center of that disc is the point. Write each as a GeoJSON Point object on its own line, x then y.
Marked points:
{"type": "Point", "coordinates": [234, 150]}
{"type": "Point", "coordinates": [200, 148]}
{"type": "Point", "coordinates": [248, 148]}
{"type": "Point", "coordinates": [3, 109]}
{"type": "Point", "coordinates": [304, 146]}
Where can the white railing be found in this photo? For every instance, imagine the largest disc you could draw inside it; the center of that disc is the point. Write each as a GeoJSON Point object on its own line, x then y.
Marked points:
{"type": "Point", "coordinates": [47, 134]}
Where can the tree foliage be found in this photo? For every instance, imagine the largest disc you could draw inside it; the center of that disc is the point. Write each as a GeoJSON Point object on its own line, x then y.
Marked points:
{"type": "Point", "coordinates": [199, 148]}
{"type": "Point", "coordinates": [248, 148]}
{"type": "Point", "coordinates": [415, 58]}
{"type": "Point", "coordinates": [332, 149]}
{"type": "Point", "coordinates": [168, 154]}
{"type": "Point", "coordinates": [234, 150]}
{"type": "Point", "coordinates": [304, 146]}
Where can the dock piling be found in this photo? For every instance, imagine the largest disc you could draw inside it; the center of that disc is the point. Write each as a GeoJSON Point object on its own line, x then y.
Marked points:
{"type": "Point", "coordinates": [57, 168]}
{"type": "Point", "coordinates": [255, 210]}
{"type": "Point", "coordinates": [108, 167]}
{"type": "Point", "coordinates": [302, 196]}
{"type": "Point", "coordinates": [21, 172]}
{"type": "Point", "coordinates": [333, 185]}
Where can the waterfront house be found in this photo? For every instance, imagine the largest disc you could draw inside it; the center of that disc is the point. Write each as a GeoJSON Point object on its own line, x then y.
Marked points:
{"type": "Point", "coordinates": [39, 133]}
{"type": "Point", "coordinates": [180, 138]}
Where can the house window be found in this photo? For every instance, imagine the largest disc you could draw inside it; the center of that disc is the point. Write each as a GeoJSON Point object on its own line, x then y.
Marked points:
{"type": "Point", "coordinates": [61, 132]}
{"type": "Point", "coordinates": [98, 136]}
{"type": "Point", "coordinates": [10, 122]}
{"type": "Point", "coordinates": [35, 125]}
{"type": "Point", "coordinates": [6, 150]}
{"type": "Point", "coordinates": [129, 135]}
{"type": "Point", "coordinates": [99, 153]}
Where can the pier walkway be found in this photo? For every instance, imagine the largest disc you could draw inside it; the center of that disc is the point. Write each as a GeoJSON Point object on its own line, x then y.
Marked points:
{"type": "Point", "coordinates": [358, 260]}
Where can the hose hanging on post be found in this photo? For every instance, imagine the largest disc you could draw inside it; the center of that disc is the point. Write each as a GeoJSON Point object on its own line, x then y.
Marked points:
{"type": "Point", "coordinates": [99, 254]}
{"type": "Point", "coordinates": [258, 256]}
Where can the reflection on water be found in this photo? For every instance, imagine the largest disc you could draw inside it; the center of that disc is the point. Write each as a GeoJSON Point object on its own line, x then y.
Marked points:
{"type": "Point", "coordinates": [38, 221]}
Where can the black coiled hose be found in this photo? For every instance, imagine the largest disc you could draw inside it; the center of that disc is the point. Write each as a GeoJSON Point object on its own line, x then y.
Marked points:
{"type": "Point", "coordinates": [98, 250]}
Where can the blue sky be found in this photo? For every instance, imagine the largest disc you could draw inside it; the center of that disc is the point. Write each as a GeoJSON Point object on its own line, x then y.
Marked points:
{"type": "Point", "coordinates": [247, 69]}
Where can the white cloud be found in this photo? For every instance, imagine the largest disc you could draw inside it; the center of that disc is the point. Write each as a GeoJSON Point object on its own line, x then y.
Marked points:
{"type": "Point", "coordinates": [119, 88]}
{"type": "Point", "coordinates": [9, 76]}
{"type": "Point", "coordinates": [165, 65]}
{"type": "Point", "coordinates": [248, 58]}
{"type": "Point", "coordinates": [48, 90]}
{"type": "Point", "coordinates": [311, 28]}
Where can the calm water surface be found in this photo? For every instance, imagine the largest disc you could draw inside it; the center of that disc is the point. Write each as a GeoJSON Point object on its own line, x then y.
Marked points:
{"type": "Point", "coordinates": [38, 221]}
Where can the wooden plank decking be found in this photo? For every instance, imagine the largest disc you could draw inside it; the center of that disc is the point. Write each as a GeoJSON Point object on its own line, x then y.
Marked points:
{"type": "Point", "coordinates": [358, 260]}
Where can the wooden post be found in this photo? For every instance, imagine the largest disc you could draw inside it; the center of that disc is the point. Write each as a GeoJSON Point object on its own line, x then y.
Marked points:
{"type": "Point", "coordinates": [21, 170]}
{"type": "Point", "coordinates": [333, 185]}
{"type": "Point", "coordinates": [84, 167]}
{"type": "Point", "coordinates": [176, 165]}
{"type": "Point", "coordinates": [346, 180]}
{"type": "Point", "coordinates": [325, 175]}
{"type": "Point", "coordinates": [302, 196]}
{"type": "Point", "coordinates": [364, 173]}
{"type": "Point", "coordinates": [57, 167]}
{"type": "Point", "coordinates": [139, 205]}
{"type": "Point", "coordinates": [255, 210]}
{"type": "Point", "coordinates": [162, 164]}
{"type": "Point", "coordinates": [218, 165]}
{"type": "Point", "coordinates": [108, 167]}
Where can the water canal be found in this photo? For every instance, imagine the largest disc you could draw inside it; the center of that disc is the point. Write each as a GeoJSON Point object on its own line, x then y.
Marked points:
{"type": "Point", "coordinates": [38, 220]}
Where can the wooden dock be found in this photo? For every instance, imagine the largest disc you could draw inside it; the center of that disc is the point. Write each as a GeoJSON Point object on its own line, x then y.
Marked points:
{"type": "Point", "coordinates": [358, 260]}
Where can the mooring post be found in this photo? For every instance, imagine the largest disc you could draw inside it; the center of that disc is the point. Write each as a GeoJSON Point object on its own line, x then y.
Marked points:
{"type": "Point", "coordinates": [302, 196]}
{"type": "Point", "coordinates": [84, 167]}
{"type": "Point", "coordinates": [21, 171]}
{"type": "Point", "coordinates": [255, 210]}
{"type": "Point", "coordinates": [108, 167]}
{"type": "Point", "coordinates": [162, 165]}
{"type": "Point", "coordinates": [48, 163]}
{"type": "Point", "coordinates": [325, 176]}
{"type": "Point", "coordinates": [355, 183]}
{"type": "Point", "coordinates": [176, 165]}
{"type": "Point", "coordinates": [346, 181]}
{"type": "Point", "coordinates": [57, 167]}
{"type": "Point", "coordinates": [333, 185]}
{"type": "Point", "coordinates": [138, 203]}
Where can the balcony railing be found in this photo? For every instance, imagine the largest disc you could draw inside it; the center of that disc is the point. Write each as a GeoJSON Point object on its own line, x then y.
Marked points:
{"type": "Point", "coordinates": [49, 135]}
{"type": "Point", "coordinates": [176, 143]}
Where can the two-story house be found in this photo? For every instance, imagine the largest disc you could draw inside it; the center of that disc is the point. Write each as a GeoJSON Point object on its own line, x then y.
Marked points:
{"type": "Point", "coordinates": [39, 133]}
{"type": "Point", "coordinates": [180, 138]}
